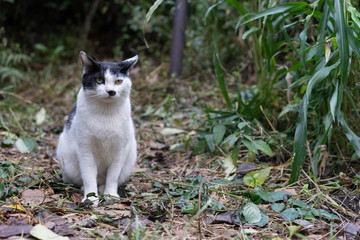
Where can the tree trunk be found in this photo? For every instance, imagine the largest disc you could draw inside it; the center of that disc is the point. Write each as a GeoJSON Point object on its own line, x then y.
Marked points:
{"type": "Point", "coordinates": [178, 37]}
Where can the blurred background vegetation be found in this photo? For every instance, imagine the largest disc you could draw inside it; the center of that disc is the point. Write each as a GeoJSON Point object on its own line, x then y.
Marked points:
{"type": "Point", "coordinates": [286, 73]}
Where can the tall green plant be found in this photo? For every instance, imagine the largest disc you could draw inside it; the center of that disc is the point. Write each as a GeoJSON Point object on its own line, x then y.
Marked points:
{"type": "Point", "coordinates": [323, 67]}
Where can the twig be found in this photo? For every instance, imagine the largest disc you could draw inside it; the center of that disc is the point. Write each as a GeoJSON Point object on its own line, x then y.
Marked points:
{"type": "Point", "coordinates": [272, 127]}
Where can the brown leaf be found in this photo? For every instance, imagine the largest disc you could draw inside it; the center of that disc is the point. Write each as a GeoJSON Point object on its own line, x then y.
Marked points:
{"type": "Point", "coordinates": [118, 206]}
{"type": "Point", "coordinates": [33, 197]}
{"type": "Point", "coordinates": [353, 229]}
{"type": "Point", "coordinates": [11, 230]}
{"type": "Point", "coordinates": [77, 197]}
{"type": "Point", "coordinates": [116, 213]}
{"type": "Point", "coordinates": [290, 190]}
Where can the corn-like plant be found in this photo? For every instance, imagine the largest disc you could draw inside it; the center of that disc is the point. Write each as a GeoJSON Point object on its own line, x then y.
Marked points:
{"type": "Point", "coordinates": [322, 60]}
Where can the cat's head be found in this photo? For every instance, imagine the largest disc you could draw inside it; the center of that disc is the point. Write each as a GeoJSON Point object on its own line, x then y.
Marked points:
{"type": "Point", "coordinates": [106, 81]}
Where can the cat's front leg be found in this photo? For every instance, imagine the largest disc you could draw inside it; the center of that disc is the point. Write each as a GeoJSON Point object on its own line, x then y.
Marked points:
{"type": "Point", "coordinates": [88, 169]}
{"type": "Point", "coordinates": [112, 176]}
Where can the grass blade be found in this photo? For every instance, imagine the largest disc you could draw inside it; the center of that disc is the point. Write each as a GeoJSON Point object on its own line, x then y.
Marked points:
{"type": "Point", "coordinates": [283, 8]}
{"type": "Point", "coordinates": [301, 129]}
{"type": "Point", "coordinates": [218, 68]}
{"type": "Point", "coordinates": [334, 101]}
{"type": "Point", "coordinates": [342, 39]}
{"type": "Point", "coordinates": [353, 138]}
{"type": "Point", "coordinates": [148, 16]}
{"type": "Point", "coordinates": [299, 142]}
{"type": "Point", "coordinates": [318, 77]}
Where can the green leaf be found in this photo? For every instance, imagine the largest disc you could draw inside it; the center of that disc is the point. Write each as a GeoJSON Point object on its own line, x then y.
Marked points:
{"type": "Point", "coordinates": [230, 140]}
{"type": "Point", "coordinates": [342, 38]}
{"type": "Point", "coordinates": [229, 167]}
{"type": "Point", "coordinates": [171, 131]}
{"type": "Point", "coordinates": [298, 203]}
{"type": "Point", "coordinates": [148, 16]}
{"type": "Point", "coordinates": [283, 8]}
{"type": "Point", "coordinates": [249, 32]}
{"type": "Point", "coordinates": [40, 47]}
{"type": "Point", "coordinates": [334, 101]}
{"type": "Point", "coordinates": [324, 213]}
{"type": "Point", "coordinates": [257, 177]}
{"type": "Point", "coordinates": [289, 214]}
{"type": "Point", "coordinates": [238, 6]}
{"type": "Point", "coordinates": [319, 76]}
{"type": "Point", "coordinates": [221, 79]}
{"type": "Point", "coordinates": [264, 220]}
{"type": "Point", "coordinates": [218, 68]}
{"type": "Point", "coordinates": [264, 147]}
{"type": "Point", "coordinates": [241, 125]}
{"type": "Point", "coordinates": [293, 229]}
{"type": "Point", "coordinates": [351, 136]}
{"type": "Point", "coordinates": [7, 142]}
{"type": "Point", "coordinates": [210, 142]}
{"type": "Point", "coordinates": [2, 187]}
{"type": "Point", "coordinates": [289, 108]}
{"type": "Point", "coordinates": [219, 132]}
{"type": "Point", "coordinates": [251, 213]}
{"type": "Point", "coordinates": [25, 145]}
{"type": "Point", "coordinates": [277, 207]}
{"type": "Point", "coordinates": [272, 196]}
{"type": "Point", "coordinates": [301, 129]}
{"type": "Point", "coordinates": [249, 144]}
{"type": "Point", "coordinates": [211, 8]}
{"type": "Point", "coordinates": [215, 205]}
{"type": "Point", "coordinates": [58, 50]}
{"type": "Point", "coordinates": [189, 208]}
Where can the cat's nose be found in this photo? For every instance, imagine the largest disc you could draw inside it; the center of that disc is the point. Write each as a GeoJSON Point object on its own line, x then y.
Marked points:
{"type": "Point", "coordinates": [111, 93]}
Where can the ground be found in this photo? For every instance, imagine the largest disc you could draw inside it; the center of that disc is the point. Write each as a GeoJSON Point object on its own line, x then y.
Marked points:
{"type": "Point", "coordinates": [173, 193]}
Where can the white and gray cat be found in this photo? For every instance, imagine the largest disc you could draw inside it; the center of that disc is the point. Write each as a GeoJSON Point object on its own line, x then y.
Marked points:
{"type": "Point", "coordinates": [97, 148]}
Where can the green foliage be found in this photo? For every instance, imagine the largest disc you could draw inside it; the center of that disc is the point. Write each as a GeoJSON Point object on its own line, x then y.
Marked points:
{"type": "Point", "coordinates": [11, 62]}
{"type": "Point", "coordinates": [318, 69]}
{"type": "Point", "coordinates": [11, 179]}
{"type": "Point", "coordinates": [256, 178]}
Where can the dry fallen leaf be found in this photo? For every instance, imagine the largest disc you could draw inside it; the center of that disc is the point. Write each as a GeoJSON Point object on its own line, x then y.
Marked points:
{"type": "Point", "coordinates": [43, 233]}
{"type": "Point", "coordinates": [14, 229]}
{"type": "Point", "coordinates": [32, 197]}
{"type": "Point", "coordinates": [290, 190]}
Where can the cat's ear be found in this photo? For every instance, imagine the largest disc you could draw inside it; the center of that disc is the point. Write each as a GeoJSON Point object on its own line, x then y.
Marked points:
{"type": "Point", "coordinates": [128, 64]}
{"type": "Point", "coordinates": [88, 64]}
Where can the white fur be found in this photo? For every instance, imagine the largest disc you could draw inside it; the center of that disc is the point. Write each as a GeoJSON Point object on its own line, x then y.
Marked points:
{"type": "Point", "coordinates": [99, 150]}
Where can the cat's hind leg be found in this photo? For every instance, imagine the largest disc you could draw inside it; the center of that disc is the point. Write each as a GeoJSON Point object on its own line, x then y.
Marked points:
{"type": "Point", "coordinates": [68, 160]}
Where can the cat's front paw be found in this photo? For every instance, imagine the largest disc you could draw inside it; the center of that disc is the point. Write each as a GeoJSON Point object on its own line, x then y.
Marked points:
{"type": "Point", "coordinates": [94, 200]}
{"type": "Point", "coordinates": [111, 196]}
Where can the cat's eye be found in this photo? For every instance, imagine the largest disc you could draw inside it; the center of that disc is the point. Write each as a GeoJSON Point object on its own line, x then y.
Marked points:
{"type": "Point", "coordinates": [99, 80]}
{"type": "Point", "coordinates": [119, 81]}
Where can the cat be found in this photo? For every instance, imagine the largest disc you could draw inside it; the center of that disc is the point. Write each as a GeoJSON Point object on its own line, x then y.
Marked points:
{"type": "Point", "coordinates": [97, 148]}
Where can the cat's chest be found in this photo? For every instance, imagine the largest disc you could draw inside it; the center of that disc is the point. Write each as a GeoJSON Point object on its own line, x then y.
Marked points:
{"type": "Point", "coordinates": [104, 126]}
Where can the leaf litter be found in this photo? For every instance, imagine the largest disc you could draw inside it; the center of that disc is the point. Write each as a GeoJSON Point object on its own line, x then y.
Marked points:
{"type": "Point", "coordinates": [172, 194]}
